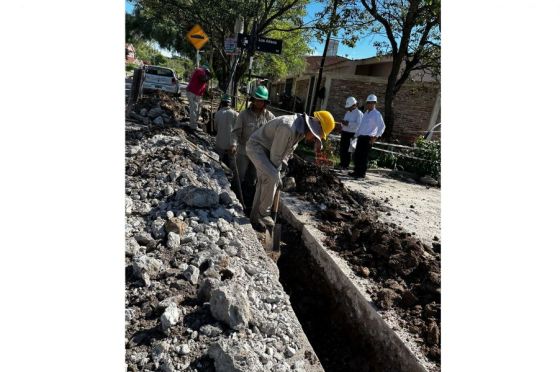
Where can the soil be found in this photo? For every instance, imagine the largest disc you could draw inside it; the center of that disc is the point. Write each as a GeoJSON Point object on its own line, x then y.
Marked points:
{"type": "Point", "coordinates": [404, 272]}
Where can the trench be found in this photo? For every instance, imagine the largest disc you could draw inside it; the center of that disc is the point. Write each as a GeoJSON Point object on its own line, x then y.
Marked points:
{"type": "Point", "coordinates": [330, 329]}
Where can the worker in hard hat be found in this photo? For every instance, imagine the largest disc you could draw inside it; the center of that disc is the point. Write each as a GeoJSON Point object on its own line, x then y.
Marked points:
{"type": "Point", "coordinates": [370, 129]}
{"type": "Point", "coordinates": [248, 121]}
{"type": "Point", "coordinates": [224, 120]}
{"type": "Point", "coordinates": [272, 144]}
{"type": "Point", "coordinates": [352, 119]}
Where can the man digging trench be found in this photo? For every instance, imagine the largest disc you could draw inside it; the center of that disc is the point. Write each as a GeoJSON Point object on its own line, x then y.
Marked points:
{"type": "Point", "coordinates": [271, 145]}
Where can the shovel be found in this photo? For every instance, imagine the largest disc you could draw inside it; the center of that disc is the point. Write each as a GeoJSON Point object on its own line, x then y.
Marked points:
{"type": "Point", "coordinates": [272, 236]}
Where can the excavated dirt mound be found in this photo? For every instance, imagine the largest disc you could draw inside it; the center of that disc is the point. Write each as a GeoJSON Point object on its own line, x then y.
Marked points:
{"type": "Point", "coordinates": [405, 274]}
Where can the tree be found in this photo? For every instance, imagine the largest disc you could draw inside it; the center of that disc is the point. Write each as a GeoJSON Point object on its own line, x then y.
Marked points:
{"type": "Point", "coordinates": [167, 22]}
{"type": "Point", "coordinates": [412, 28]}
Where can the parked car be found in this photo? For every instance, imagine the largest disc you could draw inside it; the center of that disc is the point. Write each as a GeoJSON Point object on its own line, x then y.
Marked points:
{"type": "Point", "coordinates": [160, 78]}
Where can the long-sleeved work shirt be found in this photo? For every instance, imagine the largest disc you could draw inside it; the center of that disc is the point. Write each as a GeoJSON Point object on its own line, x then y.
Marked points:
{"type": "Point", "coordinates": [280, 136]}
{"type": "Point", "coordinates": [372, 124]}
{"type": "Point", "coordinates": [197, 83]}
{"type": "Point", "coordinates": [246, 124]}
{"type": "Point", "coordinates": [224, 120]}
{"type": "Point", "coordinates": [353, 118]}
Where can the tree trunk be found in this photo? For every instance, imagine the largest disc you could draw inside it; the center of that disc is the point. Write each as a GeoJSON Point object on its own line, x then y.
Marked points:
{"type": "Point", "coordinates": [389, 114]}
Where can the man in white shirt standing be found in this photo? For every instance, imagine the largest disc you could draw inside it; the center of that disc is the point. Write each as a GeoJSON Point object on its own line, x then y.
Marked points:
{"type": "Point", "coordinates": [370, 129]}
{"type": "Point", "coordinates": [350, 124]}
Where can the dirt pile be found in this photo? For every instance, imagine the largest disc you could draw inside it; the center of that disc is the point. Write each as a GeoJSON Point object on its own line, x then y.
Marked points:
{"type": "Point", "coordinates": [159, 109]}
{"type": "Point", "coordinates": [405, 274]}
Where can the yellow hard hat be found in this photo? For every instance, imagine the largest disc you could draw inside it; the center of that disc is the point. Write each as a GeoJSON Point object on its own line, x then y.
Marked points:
{"type": "Point", "coordinates": [327, 122]}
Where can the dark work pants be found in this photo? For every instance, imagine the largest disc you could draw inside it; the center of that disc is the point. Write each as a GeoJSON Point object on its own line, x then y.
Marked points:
{"type": "Point", "coordinates": [361, 155]}
{"type": "Point", "coordinates": [345, 156]}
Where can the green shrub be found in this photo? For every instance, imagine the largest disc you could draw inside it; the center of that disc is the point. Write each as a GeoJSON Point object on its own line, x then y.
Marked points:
{"type": "Point", "coordinates": [428, 152]}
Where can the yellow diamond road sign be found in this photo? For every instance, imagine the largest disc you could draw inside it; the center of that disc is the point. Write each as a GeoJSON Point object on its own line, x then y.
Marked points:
{"type": "Point", "coordinates": [197, 37]}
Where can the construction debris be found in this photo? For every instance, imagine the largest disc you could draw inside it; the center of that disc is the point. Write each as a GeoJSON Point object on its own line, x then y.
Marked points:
{"type": "Point", "coordinates": [201, 294]}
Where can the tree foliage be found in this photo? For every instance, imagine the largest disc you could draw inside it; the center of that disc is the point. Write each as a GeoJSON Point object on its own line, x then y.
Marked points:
{"type": "Point", "coordinates": [412, 30]}
{"type": "Point", "coordinates": [168, 21]}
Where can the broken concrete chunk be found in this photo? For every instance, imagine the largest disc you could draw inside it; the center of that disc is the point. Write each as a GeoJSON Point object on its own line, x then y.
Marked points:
{"type": "Point", "coordinates": [225, 198]}
{"type": "Point", "coordinates": [206, 287]}
{"type": "Point", "coordinates": [146, 265]}
{"type": "Point", "coordinates": [234, 358]}
{"type": "Point", "coordinates": [191, 273]}
{"type": "Point", "coordinates": [199, 197]}
{"type": "Point", "coordinates": [170, 317]}
{"type": "Point", "coordinates": [231, 306]}
{"type": "Point", "coordinates": [173, 241]}
{"type": "Point", "coordinates": [158, 230]}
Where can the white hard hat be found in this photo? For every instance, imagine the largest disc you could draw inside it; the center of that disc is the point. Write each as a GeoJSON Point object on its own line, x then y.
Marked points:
{"type": "Point", "coordinates": [350, 101]}
{"type": "Point", "coordinates": [371, 98]}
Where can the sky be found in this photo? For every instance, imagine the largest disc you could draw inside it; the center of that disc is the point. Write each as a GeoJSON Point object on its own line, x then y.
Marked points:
{"type": "Point", "coordinates": [362, 49]}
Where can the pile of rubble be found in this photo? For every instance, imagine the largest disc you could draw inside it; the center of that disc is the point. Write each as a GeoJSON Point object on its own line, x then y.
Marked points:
{"type": "Point", "coordinates": [159, 109]}
{"type": "Point", "coordinates": [201, 294]}
{"type": "Point", "coordinates": [405, 274]}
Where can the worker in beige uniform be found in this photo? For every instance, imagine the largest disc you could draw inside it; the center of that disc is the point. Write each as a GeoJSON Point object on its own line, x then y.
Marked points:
{"type": "Point", "coordinates": [273, 143]}
{"type": "Point", "coordinates": [224, 120]}
{"type": "Point", "coordinates": [248, 121]}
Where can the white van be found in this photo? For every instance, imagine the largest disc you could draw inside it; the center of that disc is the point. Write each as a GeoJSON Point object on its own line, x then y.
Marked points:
{"type": "Point", "coordinates": [160, 78]}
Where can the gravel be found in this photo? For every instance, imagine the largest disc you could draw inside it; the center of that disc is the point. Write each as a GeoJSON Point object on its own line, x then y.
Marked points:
{"type": "Point", "coordinates": [201, 293]}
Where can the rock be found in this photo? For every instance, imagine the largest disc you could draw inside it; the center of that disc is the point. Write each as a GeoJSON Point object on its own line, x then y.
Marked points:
{"type": "Point", "coordinates": [198, 197]}
{"type": "Point", "coordinates": [225, 198]}
{"type": "Point", "coordinates": [386, 297]}
{"type": "Point", "coordinates": [428, 180]}
{"type": "Point", "coordinates": [155, 112]}
{"type": "Point", "coordinates": [191, 273]}
{"type": "Point", "coordinates": [173, 240]}
{"type": "Point", "coordinates": [433, 334]}
{"type": "Point", "coordinates": [168, 190]}
{"type": "Point", "coordinates": [290, 352]}
{"type": "Point", "coordinates": [176, 225]}
{"type": "Point", "coordinates": [148, 265]}
{"type": "Point", "coordinates": [159, 121]}
{"type": "Point", "coordinates": [224, 226]}
{"type": "Point", "coordinates": [182, 349]}
{"type": "Point", "coordinates": [237, 357]}
{"type": "Point", "coordinates": [128, 205]}
{"type": "Point", "coordinates": [140, 207]}
{"type": "Point", "coordinates": [363, 271]}
{"type": "Point", "coordinates": [128, 314]}
{"type": "Point", "coordinates": [410, 180]}
{"type": "Point", "coordinates": [144, 112]}
{"type": "Point", "coordinates": [170, 317]}
{"type": "Point", "coordinates": [231, 306]}
{"type": "Point", "coordinates": [158, 230]}
{"type": "Point", "coordinates": [210, 330]}
{"type": "Point", "coordinates": [143, 238]}
{"type": "Point", "coordinates": [212, 233]}
{"type": "Point", "coordinates": [132, 248]}
{"type": "Point", "coordinates": [206, 287]}
{"type": "Point", "coordinates": [147, 121]}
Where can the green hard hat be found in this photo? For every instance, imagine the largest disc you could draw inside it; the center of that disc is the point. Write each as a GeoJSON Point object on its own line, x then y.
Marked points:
{"type": "Point", "coordinates": [261, 93]}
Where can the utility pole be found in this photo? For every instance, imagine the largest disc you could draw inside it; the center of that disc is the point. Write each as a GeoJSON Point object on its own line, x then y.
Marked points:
{"type": "Point", "coordinates": [318, 83]}
{"type": "Point", "coordinates": [251, 51]}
